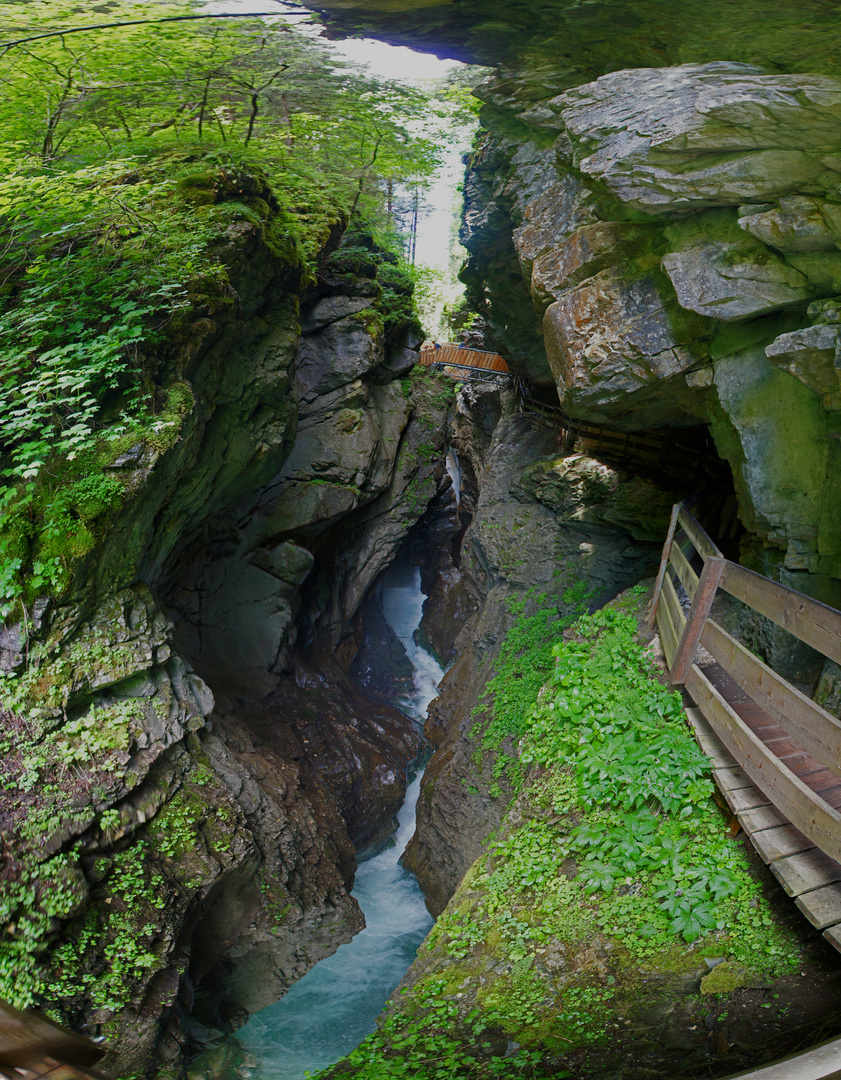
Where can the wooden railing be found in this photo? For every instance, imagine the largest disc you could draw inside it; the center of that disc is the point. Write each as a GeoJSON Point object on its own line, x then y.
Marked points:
{"type": "Point", "coordinates": [814, 729]}
{"type": "Point", "coordinates": [669, 455]}
{"type": "Point", "coordinates": [820, 1063]}
{"type": "Point", "coordinates": [31, 1047]}
{"type": "Point", "coordinates": [678, 457]}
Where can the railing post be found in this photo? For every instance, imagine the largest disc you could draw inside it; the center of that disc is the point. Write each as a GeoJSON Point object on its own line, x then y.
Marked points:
{"type": "Point", "coordinates": [664, 562]}
{"type": "Point", "coordinates": [701, 604]}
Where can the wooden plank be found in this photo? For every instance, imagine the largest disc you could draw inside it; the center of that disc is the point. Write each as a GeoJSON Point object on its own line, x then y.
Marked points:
{"type": "Point", "coordinates": [672, 620]}
{"type": "Point", "coordinates": [803, 808]}
{"type": "Point", "coordinates": [668, 636]}
{"type": "Point", "coordinates": [813, 622]}
{"type": "Point", "coordinates": [741, 799]}
{"type": "Point", "coordinates": [606, 435]}
{"type": "Point", "coordinates": [831, 795]}
{"type": "Point", "coordinates": [27, 1039]}
{"type": "Point", "coordinates": [698, 615]}
{"type": "Point", "coordinates": [697, 721]}
{"type": "Point", "coordinates": [808, 870]}
{"type": "Point", "coordinates": [701, 542]}
{"type": "Point", "coordinates": [708, 743]}
{"type": "Point", "coordinates": [720, 759]}
{"type": "Point", "coordinates": [688, 577]}
{"type": "Point", "coordinates": [731, 779]}
{"type": "Point", "coordinates": [822, 907]}
{"type": "Point", "coordinates": [833, 936]}
{"type": "Point", "coordinates": [773, 844]}
{"type": "Point", "coordinates": [636, 438]}
{"type": "Point", "coordinates": [670, 598]}
{"type": "Point", "coordinates": [819, 1063]}
{"type": "Point", "coordinates": [761, 818]}
{"type": "Point", "coordinates": [815, 729]}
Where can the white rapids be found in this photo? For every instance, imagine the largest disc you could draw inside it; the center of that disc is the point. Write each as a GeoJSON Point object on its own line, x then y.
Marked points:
{"type": "Point", "coordinates": [454, 471]}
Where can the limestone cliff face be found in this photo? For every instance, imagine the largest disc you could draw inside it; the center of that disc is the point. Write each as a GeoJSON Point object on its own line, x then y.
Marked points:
{"type": "Point", "coordinates": [206, 768]}
{"type": "Point", "coordinates": [653, 224]}
{"type": "Point", "coordinates": [674, 230]}
{"type": "Point", "coordinates": [652, 220]}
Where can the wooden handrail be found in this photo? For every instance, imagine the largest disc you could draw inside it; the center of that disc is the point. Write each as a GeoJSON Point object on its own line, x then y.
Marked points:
{"type": "Point", "coordinates": [795, 830]}
{"type": "Point", "coordinates": [664, 564]}
{"type": "Point", "coordinates": [459, 356]}
{"type": "Point", "coordinates": [808, 812]}
{"type": "Point", "coordinates": [702, 543]}
{"type": "Point", "coordinates": [31, 1046]}
{"type": "Point", "coordinates": [813, 622]}
{"type": "Point", "coordinates": [702, 603]}
{"type": "Point", "coordinates": [816, 731]}
{"type": "Point", "coordinates": [820, 1063]}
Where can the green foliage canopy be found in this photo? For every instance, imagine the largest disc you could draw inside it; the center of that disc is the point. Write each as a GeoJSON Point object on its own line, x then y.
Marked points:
{"type": "Point", "coordinates": [215, 81]}
{"type": "Point", "coordinates": [116, 146]}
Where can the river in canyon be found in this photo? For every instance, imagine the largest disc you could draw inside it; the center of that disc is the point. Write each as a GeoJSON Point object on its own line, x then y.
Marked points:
{"type": "Point", "coordinates": [331, 1009]}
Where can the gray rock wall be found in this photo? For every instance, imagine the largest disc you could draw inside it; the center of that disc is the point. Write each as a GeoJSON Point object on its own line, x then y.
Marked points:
{"type": "Point", "coordinates": [546, 528]}
{"type": "Point", "coordinates": [677, 230]}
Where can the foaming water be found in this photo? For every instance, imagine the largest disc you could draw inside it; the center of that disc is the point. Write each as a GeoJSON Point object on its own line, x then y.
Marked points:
{"type": "Point", "coordinates": [334, 1006]}
{"type": "Point", "coordinates": [403, 607]}
{"type": "Point", "coordinates": [454, 470]}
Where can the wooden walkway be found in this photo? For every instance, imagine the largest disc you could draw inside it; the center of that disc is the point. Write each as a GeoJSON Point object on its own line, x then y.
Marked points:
{"type": "Point", "coordinates": [777, 754]}
{"type": "Point", "coordinates": [686, 458]}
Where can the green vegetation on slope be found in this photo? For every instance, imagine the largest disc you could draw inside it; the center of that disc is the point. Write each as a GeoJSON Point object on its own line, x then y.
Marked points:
{"type": "Point", "coordinates": [613, 876]}
{"type": "Point", "coordinates": [146, 174]}
{"type": "Point", "coordinates": [106, 268]}
{"type": "Point", "coordinates": [168, 72]}
{"type": "Point", "coordinates": [134, 159]}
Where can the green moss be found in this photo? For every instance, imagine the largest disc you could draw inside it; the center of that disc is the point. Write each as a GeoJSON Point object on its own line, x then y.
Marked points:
{"type": "Point", "coordinates": [596, 900]}
{"type": "Point", "coordinates": [355, 258]}
{"type": "Point", "coordinates": [393, 278]}
{"type": "Point", "coordinates": [128, 298]}
{"type": "Point", "coordinates": [372, 320]}
{"type": "Point", "coordinates": [724, 978]}
{"type": "Point", "coordinates": [125, 930]}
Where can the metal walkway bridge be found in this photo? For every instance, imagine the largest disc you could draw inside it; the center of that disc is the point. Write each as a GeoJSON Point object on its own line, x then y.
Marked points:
{"type": "Point", "coordinates": [464, 363]}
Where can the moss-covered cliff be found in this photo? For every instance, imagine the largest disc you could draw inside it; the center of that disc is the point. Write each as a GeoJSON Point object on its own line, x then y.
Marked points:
{"type": "Point", "coordinates": [215, 446]}
{"type": "Point", "coordinates": [179, 812]}
{"type": "Point", "coordinates": [650, 217]}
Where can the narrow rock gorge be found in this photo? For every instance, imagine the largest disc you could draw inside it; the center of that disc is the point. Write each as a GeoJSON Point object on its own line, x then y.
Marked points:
{"type": "Point", "coordinates": [652, 216]}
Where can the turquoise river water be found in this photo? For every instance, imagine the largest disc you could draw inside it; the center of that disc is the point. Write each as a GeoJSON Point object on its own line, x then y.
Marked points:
{"type": "Point", "coordinates": [334, 1006]}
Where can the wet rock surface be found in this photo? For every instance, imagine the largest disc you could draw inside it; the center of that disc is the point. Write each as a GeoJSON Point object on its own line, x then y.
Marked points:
{"type": "Point", "coordinates": [652, 218]}
{"type": "Point", "coordinates": [543, 522]}
{"type": "Point", "coordinates": [666, 221]}
{"type": "Point", "coordinates": [708, 134]}
{"type": "Point", "coordinates": [359, 749]}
